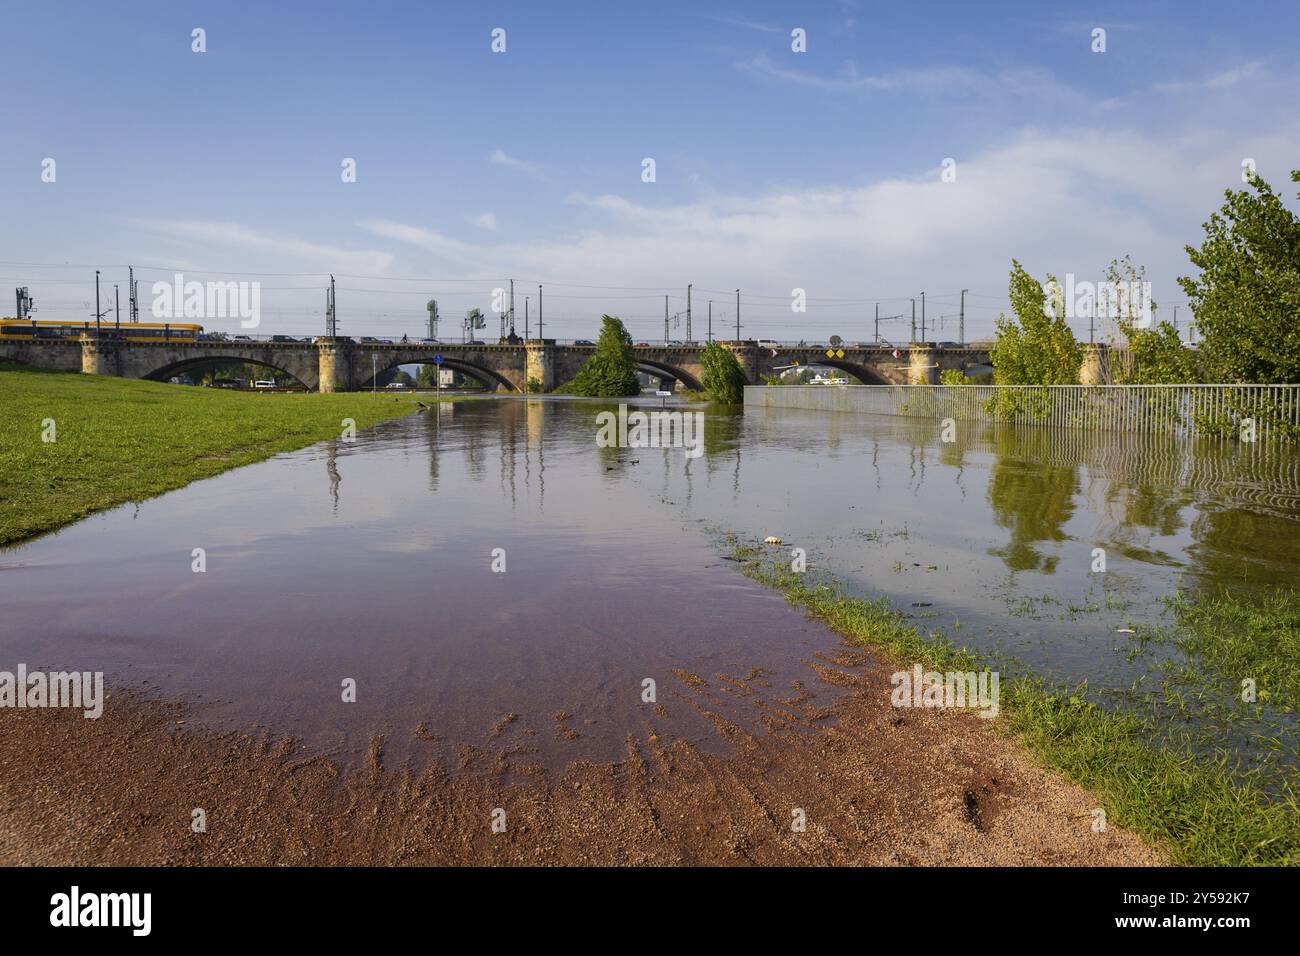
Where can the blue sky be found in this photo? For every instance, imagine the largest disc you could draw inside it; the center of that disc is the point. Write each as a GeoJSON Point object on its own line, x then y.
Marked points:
{"type": "Point", "coordinates": [775, 170]}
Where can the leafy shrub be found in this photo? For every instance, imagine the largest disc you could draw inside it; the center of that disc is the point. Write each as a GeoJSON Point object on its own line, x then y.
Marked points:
{"type": "Point", "coordinates": [724, 379]}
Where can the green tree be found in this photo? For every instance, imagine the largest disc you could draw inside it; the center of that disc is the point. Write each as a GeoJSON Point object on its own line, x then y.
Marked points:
{"type": "Point", "coordinates": [1034, 346]}
{"type": "Point", "coordinates": [611, 372]}
{"type": "Point", "coordinates": [1153, 353]}
{"type": "Point", "coordinates": [724, 379]}
{"type": "Point", "coordinates": [1247, 297]}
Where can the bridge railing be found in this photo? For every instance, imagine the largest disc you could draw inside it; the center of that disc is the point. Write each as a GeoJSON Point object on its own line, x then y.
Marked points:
{"type": "Point", "coordinates": [1262, 411]}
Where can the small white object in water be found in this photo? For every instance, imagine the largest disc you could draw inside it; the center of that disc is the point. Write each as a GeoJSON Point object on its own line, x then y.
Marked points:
{"type": "Point", "coordinates": [1125, 630]}
{"type": "Point", "coordinates": [771, 539]}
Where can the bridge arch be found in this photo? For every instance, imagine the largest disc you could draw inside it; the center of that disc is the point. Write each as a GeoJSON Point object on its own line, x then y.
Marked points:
{"type": "Point", "coordinates": [863, 373]}
{"type": "Point", "coordinates": [485, 375]}
{"type": "Point", "coordinates": [663, 369]}
{"type": "Point", "coordinates": [186, 365]}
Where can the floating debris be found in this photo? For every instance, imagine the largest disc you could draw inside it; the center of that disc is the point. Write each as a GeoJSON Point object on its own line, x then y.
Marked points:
{"type": "Point", "coordinates": [771, 539]}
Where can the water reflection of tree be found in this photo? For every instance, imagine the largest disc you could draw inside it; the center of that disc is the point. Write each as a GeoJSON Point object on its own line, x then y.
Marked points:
{"type": "Point", "coordinates": [722, 426]}
{"type": "Point", "coordinates": [1031, 496]}
{"type": "Point", "coordinates": [1243, 549]}
{"type": "Point", "coordinates": [431, 430]}
{"type": "Point", "coordinates": [332, 470]}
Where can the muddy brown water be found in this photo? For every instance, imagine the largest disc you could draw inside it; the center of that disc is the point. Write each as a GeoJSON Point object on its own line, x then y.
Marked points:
{"type": "Point", "coordinates": [372, 561]}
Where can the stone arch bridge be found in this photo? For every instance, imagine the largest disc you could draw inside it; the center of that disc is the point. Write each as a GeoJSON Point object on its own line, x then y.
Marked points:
{"type": "Point", "coordinates": [340, 364]}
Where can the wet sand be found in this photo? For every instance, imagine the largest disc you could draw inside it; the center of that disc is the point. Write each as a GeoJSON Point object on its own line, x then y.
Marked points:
{"type": "Point", "coordinates": [877, 785]}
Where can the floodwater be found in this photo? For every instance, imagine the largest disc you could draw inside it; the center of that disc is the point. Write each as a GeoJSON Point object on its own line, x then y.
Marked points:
{"type": "Point", "coordinates": [373, 561]}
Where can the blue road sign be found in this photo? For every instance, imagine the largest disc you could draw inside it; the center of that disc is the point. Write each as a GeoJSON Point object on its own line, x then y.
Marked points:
{"type": "Point", "coordinates": [437, 359]}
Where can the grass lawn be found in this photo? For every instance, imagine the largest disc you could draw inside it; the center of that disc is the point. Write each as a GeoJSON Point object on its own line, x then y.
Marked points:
{"type": "Point", "coordinates": [121, 440]}
{"type": "Point", "coordinates": [1192, 804]}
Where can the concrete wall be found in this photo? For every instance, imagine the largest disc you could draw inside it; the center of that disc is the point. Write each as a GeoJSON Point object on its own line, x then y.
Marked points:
{"type": "Point", "coordinates": [49, 353]}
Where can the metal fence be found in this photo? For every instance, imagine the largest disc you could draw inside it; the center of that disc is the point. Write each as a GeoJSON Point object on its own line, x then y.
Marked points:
{"type": "Point", "coordinates": [1272, 411]}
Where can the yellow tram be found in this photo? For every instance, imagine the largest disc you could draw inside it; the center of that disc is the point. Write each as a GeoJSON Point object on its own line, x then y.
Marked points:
{"type": "Point", "coordinates": [28, 329]}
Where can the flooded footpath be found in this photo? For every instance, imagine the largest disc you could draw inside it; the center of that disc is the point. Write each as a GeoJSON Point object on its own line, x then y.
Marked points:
{"type": "Point", "coordinates": [473, 635]}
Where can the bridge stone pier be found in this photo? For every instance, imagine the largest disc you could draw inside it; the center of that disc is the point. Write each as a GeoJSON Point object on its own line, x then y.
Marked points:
{"type": "Point", "coordinates": [922, 369]}
{"type": "Point", "coordinates": [341, 364]}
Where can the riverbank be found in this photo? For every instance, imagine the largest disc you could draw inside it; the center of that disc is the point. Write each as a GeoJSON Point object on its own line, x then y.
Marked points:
{"type": "Point", "coordinates": [1195, 806]}
{"type": "Point", "coordinates": [118, 440]}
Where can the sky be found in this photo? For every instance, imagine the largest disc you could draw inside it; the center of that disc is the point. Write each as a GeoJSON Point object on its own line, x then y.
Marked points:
{"type": "Point", "coordinates": [774, 170]}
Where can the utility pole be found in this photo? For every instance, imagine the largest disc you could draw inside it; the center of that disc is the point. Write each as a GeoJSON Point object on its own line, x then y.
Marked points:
{"type": "Point", "coordinates": [133, 296]}
{"type": "Point", "coordinates": [97, 314]}
{"type": "Point", "coordinates": [25, 304]}
{"type": "Point", "coordinates": [432, 308]}
{"type": "Point", "coordinates": [117, 309]}
{"type": "Point", "coordinates": [525, 318]}
{"type": "Point", "coordinates": [710, 332]}
{"type": "Point", "coordinates": [922, 316]}
{"type": "Point", "coordinates": [331, 319]}
{"type": "Point", "coordinates": [913, 320]}
{"type": "Point", "coordinates": [737, 315]}
{"type": "Point", "coordinates": [665, 320]}
{"type": "Point", "coordinates": [877, 323]}
{"type": "Point", "coordinates": [539, 312]}
{"type": "Point", "coordinates": [512, 310]}
{"type": "Point", "coordinates": [689, 340]}
{"type": "Point", "coordinates": [961, 320]}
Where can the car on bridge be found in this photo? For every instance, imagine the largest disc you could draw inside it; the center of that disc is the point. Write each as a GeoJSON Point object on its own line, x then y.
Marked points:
{"type": "Point", "coordinates": [263, 383]}
{"type": "Point", "coordinates": [583, 342]}
{"type": "Point", "coordinates": [429, 341]}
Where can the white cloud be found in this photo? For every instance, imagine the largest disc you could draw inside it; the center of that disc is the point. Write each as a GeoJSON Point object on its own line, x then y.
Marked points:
{"type": "Point", "coordinates": [498, 157]}
{"type": "Point", "coordinates": [1061, 201]}
{"type": "Point", "coordinates": [486, 220]}
{"type": "Point", "coordinates": [278, 250]}
{"type": "Point", "coordinates": [1215, 81]}
{"type": "Point", "coordinates": [929, 80]}
{"type": "Point", "coordinates": [736, 20]}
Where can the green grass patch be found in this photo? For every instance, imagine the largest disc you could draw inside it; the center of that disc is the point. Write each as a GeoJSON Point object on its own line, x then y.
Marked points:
{"type": "Point", "coordinates": [119, 440]}
{"type": "Point", "coordinates": [1196, 806]}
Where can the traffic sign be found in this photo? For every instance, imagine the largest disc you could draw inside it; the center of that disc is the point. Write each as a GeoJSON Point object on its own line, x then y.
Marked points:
{"type": "Point", "coordinates": [437, 359]}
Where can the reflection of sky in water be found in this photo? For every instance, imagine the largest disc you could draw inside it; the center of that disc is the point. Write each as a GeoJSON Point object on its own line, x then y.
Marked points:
{"type": "Point", "coordinates": [371, 558]}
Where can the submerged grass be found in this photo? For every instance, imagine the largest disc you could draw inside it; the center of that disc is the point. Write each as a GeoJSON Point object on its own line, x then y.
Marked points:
{"type": "Point", "coordinates": [1231, 641]}
{"type": "Point", "coordinates": [119, 440]}
{"type": "Point", "coordinates": [1198, 807]}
